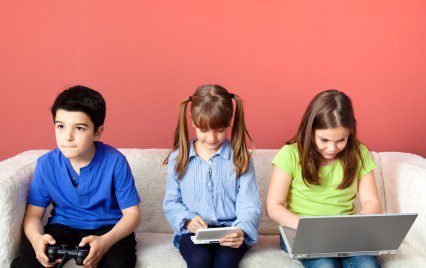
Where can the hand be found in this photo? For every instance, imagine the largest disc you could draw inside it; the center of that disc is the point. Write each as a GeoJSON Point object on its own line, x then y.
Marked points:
{"type": "Point", "coordinates": [234, 240]}
{"type": "Point", "coordinates": [40, 250]}
{"type": "Point", "coordinates": [196, 223]}
{"type": "Point", "coordinates": [98, 247]}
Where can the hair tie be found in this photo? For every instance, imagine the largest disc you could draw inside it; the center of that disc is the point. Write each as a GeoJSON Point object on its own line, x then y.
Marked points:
{"type": "Point", "coordinates": [190, 98]}
{"type": "Point", "coordinates": [231, 95]}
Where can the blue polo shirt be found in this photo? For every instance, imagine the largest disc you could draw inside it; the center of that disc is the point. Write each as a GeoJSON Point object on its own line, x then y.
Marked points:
{"type": "Point", "coordinates": [90, 200]}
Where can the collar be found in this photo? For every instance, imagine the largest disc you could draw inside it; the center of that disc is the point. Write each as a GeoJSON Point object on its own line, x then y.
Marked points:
{"type": "Point", "coordinates": [224, 150]}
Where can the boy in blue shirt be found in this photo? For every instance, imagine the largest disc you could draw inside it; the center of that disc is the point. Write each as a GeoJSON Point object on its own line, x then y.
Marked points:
{"type": "Point", "coordinates": [91, 187]}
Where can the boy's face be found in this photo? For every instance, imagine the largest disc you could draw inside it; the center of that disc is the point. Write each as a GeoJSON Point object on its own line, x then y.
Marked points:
{"type": "Point", "coordinates": [75, 134]}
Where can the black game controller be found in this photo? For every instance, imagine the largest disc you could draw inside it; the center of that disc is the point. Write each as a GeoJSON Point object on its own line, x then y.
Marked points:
{"type": "Point", "coordinates": [65, 252]}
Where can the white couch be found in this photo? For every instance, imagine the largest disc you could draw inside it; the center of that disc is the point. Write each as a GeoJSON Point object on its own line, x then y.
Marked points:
{"type": "Point", "coordinates": [401, 180]}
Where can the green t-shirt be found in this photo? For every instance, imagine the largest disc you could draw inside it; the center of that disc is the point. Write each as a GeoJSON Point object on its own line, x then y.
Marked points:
{"type": "Point", "coordinates": [324, 199]}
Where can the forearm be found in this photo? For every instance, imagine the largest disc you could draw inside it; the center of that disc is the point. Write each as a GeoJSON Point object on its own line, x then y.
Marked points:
{"type": "Point", "coordinates": [125, 226]}
{"type": "Point", "coordinates": [370, 208]}
{"type": "Point", "coordinates": [33, 228]}
{"type": "Point", "coordinates": [283, 216]}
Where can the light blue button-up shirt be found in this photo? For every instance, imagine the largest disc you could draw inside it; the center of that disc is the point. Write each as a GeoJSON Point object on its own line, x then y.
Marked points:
{"type": "Point", "coordinates": [213, 191]}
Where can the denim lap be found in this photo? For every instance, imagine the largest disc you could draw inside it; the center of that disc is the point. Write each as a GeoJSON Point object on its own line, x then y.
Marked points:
{"type": "Point", "coordinates": [349, 262]}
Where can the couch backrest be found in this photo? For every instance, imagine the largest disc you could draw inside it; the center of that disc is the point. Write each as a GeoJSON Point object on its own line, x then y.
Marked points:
{"type": "Point", "coordinates": [150, 178]}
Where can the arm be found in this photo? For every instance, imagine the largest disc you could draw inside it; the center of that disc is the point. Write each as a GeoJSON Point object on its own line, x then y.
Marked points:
{"type": "Point", "coordinates": [33, 229]}
{"type": "Point", "coordinates": [128, 200]}
{"type": "Point", "coordinates": [275, 200]}
{"type": "Point", "coordinates": [176, 212]}
{"type": "Point", "coordinates": [247, 208]}
{"type": "Point", "coordinates": [99, 245]}
{"type": "Point", "coordinates": [368, 195]}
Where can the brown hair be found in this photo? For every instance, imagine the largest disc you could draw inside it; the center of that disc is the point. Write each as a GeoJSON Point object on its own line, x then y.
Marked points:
{"type": "Point", "coordinates": [212, 109]}
{"type": "Point", "coordinates": [328, 109]}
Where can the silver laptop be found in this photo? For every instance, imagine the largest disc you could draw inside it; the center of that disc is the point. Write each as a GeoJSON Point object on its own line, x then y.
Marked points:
{"type": "Point", "coordinates": [348, 235]}
{"type": "Point", "coordinates": [212, 235]}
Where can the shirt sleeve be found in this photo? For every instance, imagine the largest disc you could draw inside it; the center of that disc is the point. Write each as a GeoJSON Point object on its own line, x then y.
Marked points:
{"type": "Point", "coordinates": [124, 183]}
{"type": "Point", "coordinates": [285, 160]}
{"type": "Point", "coordinates": [38, 194]}
{"type": "Point", "coordinates": [248, 206]}
{"type": "Point", "coordinates": [176, 212]}
{"type": "Point", "coordinates": [367, 162]}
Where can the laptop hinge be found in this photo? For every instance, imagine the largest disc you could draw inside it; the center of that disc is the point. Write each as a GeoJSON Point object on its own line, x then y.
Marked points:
{"type": "Point", "coordinates": [384, 252]}
{"type": "Point", "coordinates": [301, 256]}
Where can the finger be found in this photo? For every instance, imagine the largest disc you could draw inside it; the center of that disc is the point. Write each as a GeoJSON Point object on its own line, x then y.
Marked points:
{"type": "Point", "coordinates": [92, 254]}
{"type": "Point", "coordinates": [231, 244]}
{"type": "Point", "coordinates": [85, 240]}
{"type": "Point", "coordinates": [48, 239]}
{"type": "Point", "coordinates": [41, 256]}
{"type": "Point", "coordinates": [232, 235]}
{"type": "Point", "coordinates": [201, 222]}
{"type": "Point", "coordinates": [93, 261]}
{"type": "Point", "coordinates": [197, 225]}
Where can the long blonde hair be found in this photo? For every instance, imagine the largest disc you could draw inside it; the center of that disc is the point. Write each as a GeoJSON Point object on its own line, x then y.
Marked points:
{"type": "Point", "coordinates": [211, 108]}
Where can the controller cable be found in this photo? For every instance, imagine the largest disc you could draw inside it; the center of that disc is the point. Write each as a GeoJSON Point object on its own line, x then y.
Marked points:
{"type": "Point", "coordinates": [63, 259]}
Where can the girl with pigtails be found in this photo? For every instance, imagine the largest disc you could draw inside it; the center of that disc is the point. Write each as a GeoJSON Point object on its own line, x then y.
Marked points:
{"type": "Point", "coordinates": [211, 180]}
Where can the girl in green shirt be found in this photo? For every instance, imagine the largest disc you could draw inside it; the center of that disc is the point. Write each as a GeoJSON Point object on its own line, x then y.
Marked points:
{"type": "Point", "coordinates": [320, 171]}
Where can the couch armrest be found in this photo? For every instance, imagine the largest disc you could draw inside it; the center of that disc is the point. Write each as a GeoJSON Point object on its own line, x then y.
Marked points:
{"type": "Point", "coordinates": [15, 177]}
{"type": "Point", "coordinates": [404, 177]}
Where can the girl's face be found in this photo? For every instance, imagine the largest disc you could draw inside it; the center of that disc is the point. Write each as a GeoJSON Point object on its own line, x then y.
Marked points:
{"type": "Point", "coordinates": [329, 142]}
{"type": "Point", "coordinates": [210, 139]}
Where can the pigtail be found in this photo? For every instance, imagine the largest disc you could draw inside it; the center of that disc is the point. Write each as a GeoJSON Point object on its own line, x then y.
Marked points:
{"type": "Point", "coordinates": [181, 141]}
{"type": "Point", "coordinates": [238, 139]}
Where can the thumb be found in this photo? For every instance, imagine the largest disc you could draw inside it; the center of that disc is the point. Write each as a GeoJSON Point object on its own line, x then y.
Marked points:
{"type": "Point", "coordinates": [47, 238]}
{"type": "Point", "coordinates": [85, 240]}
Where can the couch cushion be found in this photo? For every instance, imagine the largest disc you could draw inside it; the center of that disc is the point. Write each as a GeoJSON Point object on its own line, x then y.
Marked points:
{"type": "Point", "coordinates": [157, 250]}
{"type": "Point", "coordinates": [150, 177]}
{"type": "Point", "coordinates": [405, 257]}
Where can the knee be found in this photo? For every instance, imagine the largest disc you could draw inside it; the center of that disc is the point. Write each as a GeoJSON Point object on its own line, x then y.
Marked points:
{"type": "Point", "coordinates": [321, 263]}
{"type": "Point", "coordinates": [198, 260]}
{"type": "Point", "coordinates": [226, 260]}
{"type": "Point", "coordinates": [117, 261]}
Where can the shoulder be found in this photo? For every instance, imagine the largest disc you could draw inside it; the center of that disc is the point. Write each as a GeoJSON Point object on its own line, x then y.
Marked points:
{"type": "Point", "coordinates": [364, 149]}
{"type": "Point", "coordinates": [49, 158]}
{"type": "Point", "coordinates": [289, 151]}
{"type": "Point", "coordinates": [111, 152]}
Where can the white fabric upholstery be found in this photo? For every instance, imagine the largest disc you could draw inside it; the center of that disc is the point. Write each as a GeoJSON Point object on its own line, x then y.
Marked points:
{"type": "Point", "coordinates": [400, 178]}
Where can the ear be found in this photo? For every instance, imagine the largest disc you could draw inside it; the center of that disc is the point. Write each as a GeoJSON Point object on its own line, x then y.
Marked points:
{"type": "Point", "coordinates": [99, 132]}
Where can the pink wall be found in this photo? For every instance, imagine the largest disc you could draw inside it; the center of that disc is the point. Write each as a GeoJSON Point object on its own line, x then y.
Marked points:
{"type": "Point", "coordinates": [146, 56]}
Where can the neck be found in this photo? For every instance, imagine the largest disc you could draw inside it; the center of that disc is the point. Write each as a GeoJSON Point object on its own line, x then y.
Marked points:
{"type": "Point", "coordinates": [204, 153]}
{"type": "Point", "coordinates": [83, 160]}
{"type": "Point", "coordinates": [327, 162]}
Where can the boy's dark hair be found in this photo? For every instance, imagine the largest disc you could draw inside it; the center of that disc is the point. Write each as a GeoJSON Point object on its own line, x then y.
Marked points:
{"type": "Point", "coordinates": [82, 99]}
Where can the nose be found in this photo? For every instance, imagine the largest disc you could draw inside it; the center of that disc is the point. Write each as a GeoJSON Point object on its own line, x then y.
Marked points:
{"type": "Point", "coordinates": [69, 135]}
{"type": "Point", "coordinates": [332, 147]}
{"type": "Point", "coordinates": [212, 136]}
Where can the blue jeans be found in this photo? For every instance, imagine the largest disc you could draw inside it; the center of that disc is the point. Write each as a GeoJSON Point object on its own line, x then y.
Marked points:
{"type": "Point", "coordinates": [345, 262]}
{"type": "Point", "coordinates": [209, 255]}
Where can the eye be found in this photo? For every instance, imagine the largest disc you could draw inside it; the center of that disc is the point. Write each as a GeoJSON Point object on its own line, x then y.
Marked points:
{"type": "Point", "coordinates": [60, 126]}
{"type": "Point", "coordinates": [203, 130]}
{"type": "Point", "coordinates": [79, 128]}
{"type": "Point", "coordinates": [220, 130]}
{"type": "Point", "coordinates": [323, 140]}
